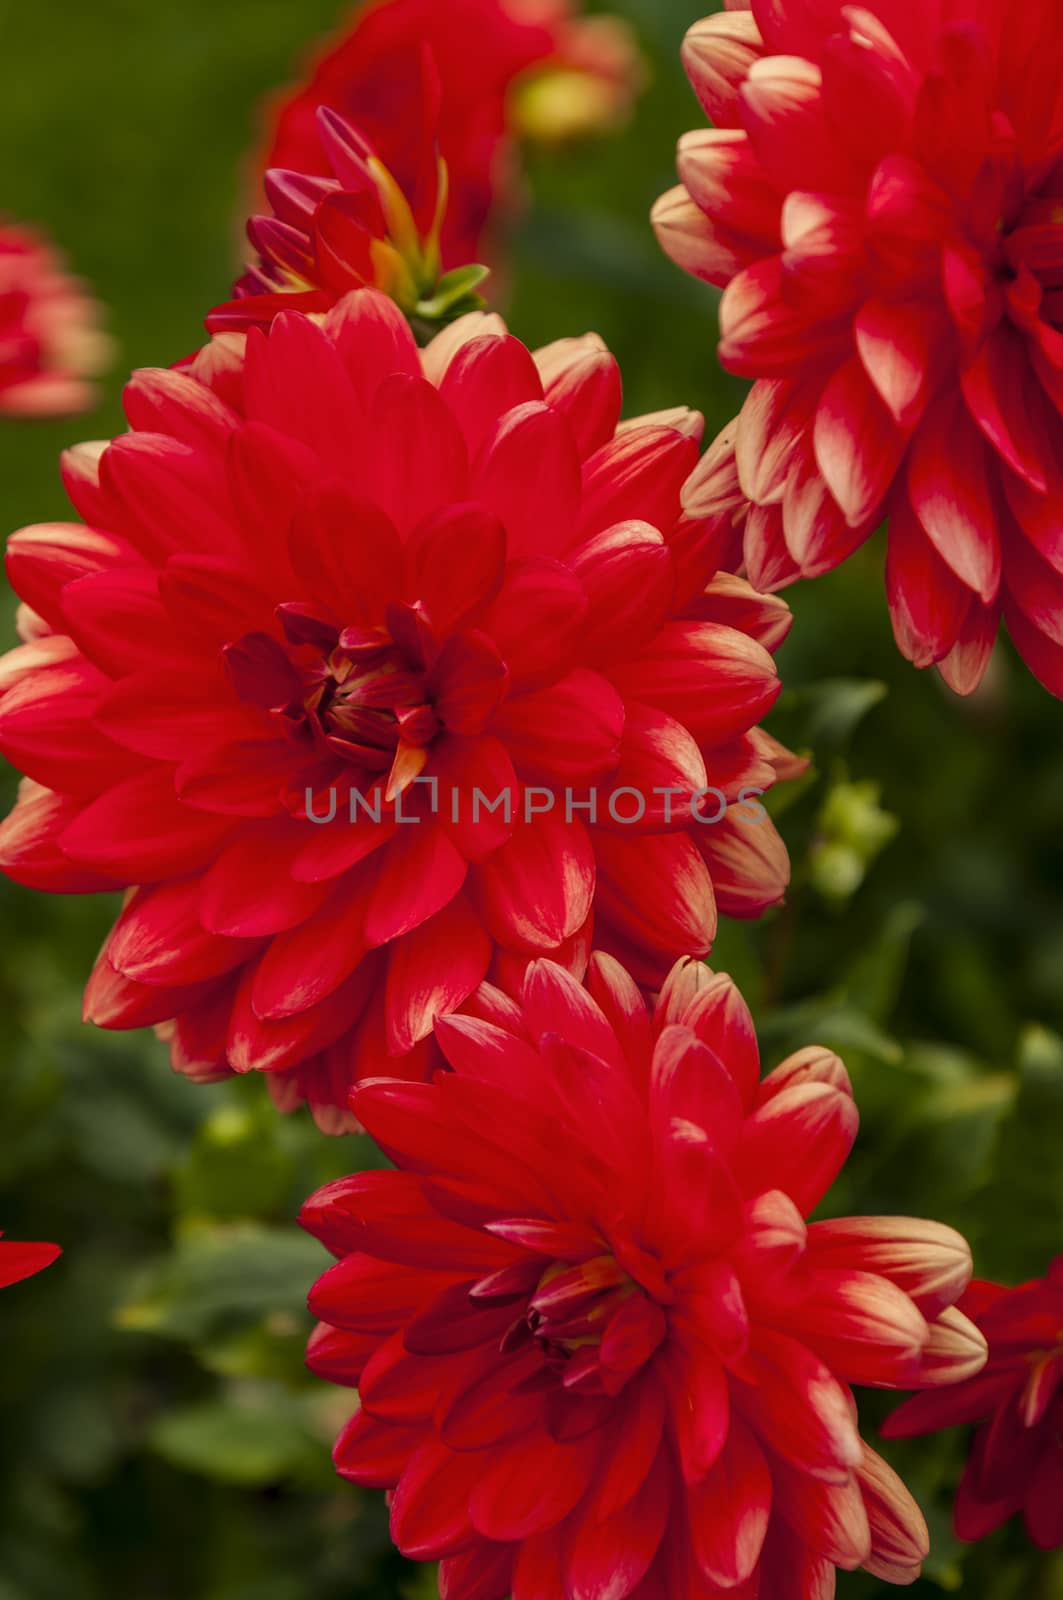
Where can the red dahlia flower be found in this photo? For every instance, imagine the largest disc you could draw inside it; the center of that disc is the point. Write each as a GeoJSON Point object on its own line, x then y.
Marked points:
{"type": "Point", "coordinates": [1016, 1463]}
{"type": "Point", "coordinates": [50, 342]}
{"type": "Point", "coordinates": [329, 585]}
{"type": "Point", "coordinates": [491, 58]}
{"type": "Point", "coordinates": [882, 197]}
{"type": "Point", "coordinates": [355, 229]}
{"type": "Point", "coordinates": [598, 1349]}
{"type": "Point", "coordinates": [19, 1260]}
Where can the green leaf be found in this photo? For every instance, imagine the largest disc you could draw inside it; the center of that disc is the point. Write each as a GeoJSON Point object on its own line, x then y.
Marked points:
{"type": "Point", "coordinates": [217, 1278]}
{"type": "Point", "coordinates": [455, 291]}
{"type": "Point", "coordinates": [826, 714]}
{"type": "Point", "coordinates": [873, 981]}
{"type": "Point", "coordinates": [829, 1021]}
{"type": "Point", "coordinates": [254, 1444]}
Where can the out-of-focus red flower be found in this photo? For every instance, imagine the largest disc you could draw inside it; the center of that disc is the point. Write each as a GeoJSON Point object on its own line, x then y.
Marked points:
{"type": "Point", "coordinates": [500, 64]}
{"type": "Point", "coordinates": [598, 1349]}
{"type": "Point", "coordinates": [1016, 1460]}
{"type": "Point", "coordinates": [19, 1260]}
{"type": "Point", "coordinates": [356, 229]}
{"type": "Point", "coordinates": [882, 198]}
{"type": "Point", "coordinates": [50, 339]}
{"type": "Point", "coordinates": [328, 575]}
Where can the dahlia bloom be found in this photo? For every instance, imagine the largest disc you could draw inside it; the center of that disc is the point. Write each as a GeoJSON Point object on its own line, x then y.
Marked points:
{"type": "Point", "coordinates": [331, 585]}
{"type": "Point", "coordinates": [598, 1349]}
{"type": "Point", "coordinates": [355, 229]}
{"type": "Point", "coordinates": [498, 64]}
{"type": "Point", "coordinates": [882, 200]}
{"type": "Point", "coordinates": [1016, 1462]}
{"type": "Point", "coordinates": [19, 1260]}
{"type": "Point", "coordinates": [50, 343]}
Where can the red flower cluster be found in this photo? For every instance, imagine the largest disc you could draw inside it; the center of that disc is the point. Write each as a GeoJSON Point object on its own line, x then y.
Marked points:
{"type": "Point", "coordinates": [882, 197]}
{"type": "Point", "coordinates": [1016, 1462]}
{"type": "Point", "coordinates": [484, 57]}
{"type": "Point", "coordinates": [50, 342]}
{"type": "Point", "coordinates": [353, 230]}
{"type": "Point", "coordinates": [598, 1349]}
{"type": "Point", "coordinates": [19, 1260]}
{"type": "Point", "coordinates": [329, 576]}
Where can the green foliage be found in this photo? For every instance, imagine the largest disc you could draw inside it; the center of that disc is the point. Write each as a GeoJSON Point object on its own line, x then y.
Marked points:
{"type": "Point", "coordinates": [162, 1437]}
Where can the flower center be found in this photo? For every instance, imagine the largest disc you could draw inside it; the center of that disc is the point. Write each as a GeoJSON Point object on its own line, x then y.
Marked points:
{"type": "Point", "coordinates": [594, 1324]}
{"type": "Point", "coordinates": [364, 699]}
{"type": "Point", "coordinates": [359, 693]}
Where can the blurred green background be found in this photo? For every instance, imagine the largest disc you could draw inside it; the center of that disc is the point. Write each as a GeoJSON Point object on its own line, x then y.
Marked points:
{"type": "Point", "coordinates": [161, 1440]}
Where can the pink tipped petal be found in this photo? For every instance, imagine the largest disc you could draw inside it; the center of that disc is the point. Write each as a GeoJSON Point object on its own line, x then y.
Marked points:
{"type": "Point", "coordinates": [858, 446]}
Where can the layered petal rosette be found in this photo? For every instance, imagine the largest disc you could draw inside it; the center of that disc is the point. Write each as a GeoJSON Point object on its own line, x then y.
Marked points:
{"type": "Point", "coordinates": [599, 1350]}
{"type": "Point", "coordinates": [497, 66]}
{"type": "Point", "coordinates": [374, 672]}
{"type": "Point", "coordinates": [50, 339]}
{"type": "Point", "coordinates": [882, 200]}
{"type": "Point", "coordinates": [20, 1260]}
{"type": "Point", "coordinates": [327, 236]}
{"type": "Point", "coordinates": [1016, 1460]}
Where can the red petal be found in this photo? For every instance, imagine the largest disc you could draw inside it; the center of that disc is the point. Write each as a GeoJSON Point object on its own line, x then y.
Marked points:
{"type": "Point", "coordinates": [798, 1142]}
{"type": "Point", "coordinates": [637, 476]}
{"type": "Point", "coordinates": [720, 1018]}
{"type": "Point", "coordinates": [866, 1329]}
{"type": "Point", "coordinates": [956, 507]}
{"type": "Point", "coordinates": [716, 681]}
{"type": "Point", "coordinates": [488, 377]}
{"type": "Point", "coordinates": [858, 446]}
{"type": "Point", "coordinates": [707, 250]}
{"type": "Point", "coordinates": [296, 383]}
{"type": "Point", "coordinates": [138, 831]}
{"type": "Point", "coordinates": [172, 496]}
{"type": "Point", "coordinates": [797, 1403]}
{"type": "Point", "coordinates": [581, 380]}
{"type": "Point", "coordinates": [348, 552]}
{"type": "Point", "coordinates": [46, 727]}
{"type": "Point", "coordinates": [430, 1508]}
{"type": "Point", "coordinates": [467, 682]}
{"type": "Point", "coordinates": [729, 1510]}
{"type": "Point", "coordinates": [718, 52]}
{"type": "Point", "coordinates": [690, 1083]}
{"type": "Point", "coordinates": [748, 861]}
{"type": "Point", "coordinates": [43, 559]}
{"type": "Point", "coordinates": [30, 851]}
{"type": "Point", "coordinates": [421, 464]}
{"type": "Point", "coordinates": [309, 1056]}
{"type": "Point", "coordinates": [529, 475]}
{"type": "Point", "coordinates": [656, 892]}
{"type": "Point", "coordinates": [537, 890]}
{"type": "Point", "coordinates": [432, 970]}
{"type": "Point", "coordinates": [535, 620]}
{"type": "Point", "coordinates": [456, 560]}
{"type": "Point", "coordinates": [701, 1408]}
{"type": "Point", "coordinates": [373, 1453]}
{"type": "Point", "coordinates": [605, 1558]}
{"type": "Point", "coordinates": [1008, 405]}
{"type": "Point", "coordinates": [238, 902]}
{"type": "Point", "coordinates": [417, 874]}
{"type": "Point", "coordinates": [19, 1260]}
{"type": "Point", "coordinates": [928, 603]}
{"type": "Point", "coordinates": [629, 578]}
{"type": "Point", "coordinates": [897, 343]}
{"type": "Point", "coordinates": [373, 339]}
{"type": "Point", "coordinates": [158, 939]}
{"type": "Point", "coordinates": [553, 1002]}
{"type": "Point", "coordinates": [565, 733]}
{"type": "Point", "coordinates": [930, 1262]}
{"type": "Point", "coordinates": [530, 1486]}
